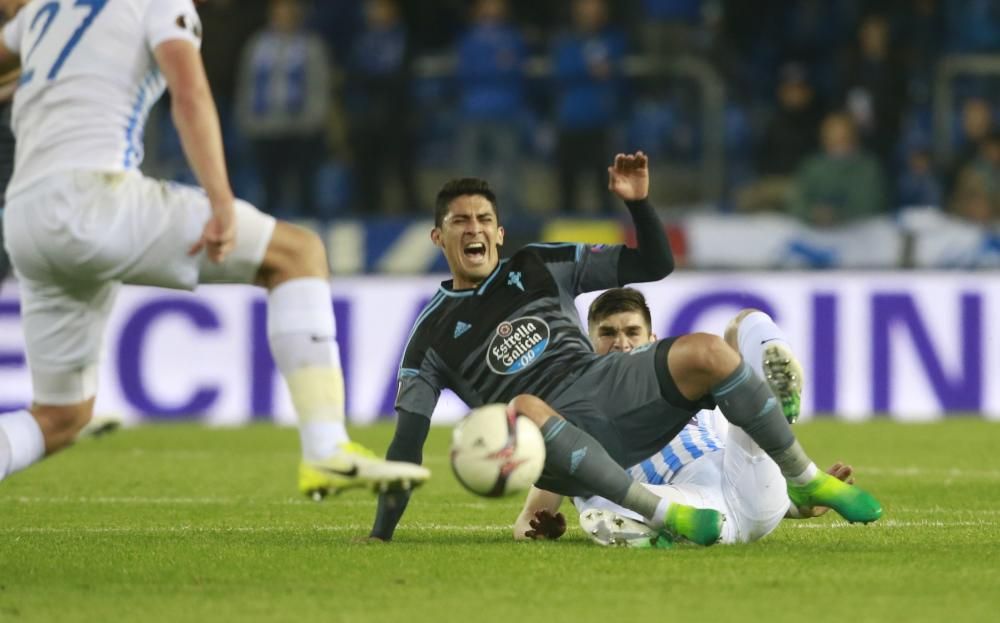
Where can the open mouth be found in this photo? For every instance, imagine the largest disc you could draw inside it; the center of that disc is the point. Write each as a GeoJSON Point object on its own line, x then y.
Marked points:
{"type": "Point", "coordinates": [475, 251]}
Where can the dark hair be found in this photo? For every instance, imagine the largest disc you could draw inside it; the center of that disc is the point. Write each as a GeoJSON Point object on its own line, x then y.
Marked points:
{"type": "Point", "coordinates": [463, 186]}
{"type": "Point", "coordinates": [617, 301]}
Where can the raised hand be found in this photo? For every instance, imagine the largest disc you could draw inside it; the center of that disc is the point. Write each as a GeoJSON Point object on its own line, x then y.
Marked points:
{"type": "Point", "coordinates": [628, 177]}
{"type": "Point", "coordinates": [545, 525]}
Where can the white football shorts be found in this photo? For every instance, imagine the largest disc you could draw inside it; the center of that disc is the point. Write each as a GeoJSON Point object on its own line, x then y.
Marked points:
{"type": "Point", "coordinates": [74, 237]}
{"type": "Point", "coordinates": [740, 481]}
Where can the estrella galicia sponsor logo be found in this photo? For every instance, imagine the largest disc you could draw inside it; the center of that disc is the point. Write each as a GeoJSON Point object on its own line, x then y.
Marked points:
{"type": "Point", "coordinates": [516, 344]}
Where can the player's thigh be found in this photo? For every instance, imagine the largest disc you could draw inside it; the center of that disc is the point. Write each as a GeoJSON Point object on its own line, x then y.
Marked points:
{"type": "Point", "coordinates": [63, 326]}
{"type": "Point", "coordinates": [162, 220]}
{"type": "Point", "coordinates": [93, 226]}
{"type": "Point", "coordinates": [255, 232]}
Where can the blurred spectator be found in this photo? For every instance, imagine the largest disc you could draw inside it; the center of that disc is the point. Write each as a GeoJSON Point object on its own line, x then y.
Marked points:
{"type": "Point", "coordinates": [378, 101]}
{"type": "Point", "coordinates": [841, 183]}
{"type": "Point", "coordinates": [977, 125]}
{"type": "Point", "coordinates": [790, 136]}
{"type": "Point", "coordinates": [973, 25]}
{"type": "Point", "coordinates": [793, 130]}
{"type": "Point", "coordinates": [812, 31]}
{"type": "Point", "coordinates": [873, 79]}
{"type": "Point", "coordinates": [919, 184]}
{"type": "Point", "coordinates": [228, 25]}
{"type": "Point", "coordinates": [977, 195]}
{"type": "Point", "coordinates": [490, 75]}
{"type": "Point", "coordinates": [586, 75]}
{"type": "Point", "coordinates": [284, 105]}
{"type": "Point", "coordinates": [671, 27]}
{"type": "Point", "coordinates": [922, 32]}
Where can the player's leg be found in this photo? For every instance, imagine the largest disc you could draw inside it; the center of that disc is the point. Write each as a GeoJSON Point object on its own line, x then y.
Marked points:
{"type": "Point", "coordinates": [291, 263]}
{"type": "Point", "coordinates": [701, 364]}
{"type": "Point", "coordinates": [63, 334]}
{"type": "Point", "coordinates": [696, 485]}
{"type": "Point", "coordinates": [763, 344]}
{"type": "Point", "coordinates": [576, 461]}
{"type": "Point", "coordinates": [751, 484]}
{"type": "Point", "coordinates": [303, 338]}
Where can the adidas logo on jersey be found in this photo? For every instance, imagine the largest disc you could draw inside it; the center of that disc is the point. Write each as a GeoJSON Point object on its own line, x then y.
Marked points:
{"type": "Point", "coordinates": [461, 327]}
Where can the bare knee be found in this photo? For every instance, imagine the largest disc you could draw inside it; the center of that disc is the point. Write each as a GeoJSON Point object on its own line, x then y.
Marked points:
{"type": "Point", "coordinates": [61, 424]}
{"type": "Point", "coordinates": [732, 334]}
{"type": "Point", "coordinates": [699, 361]}
{"type": "Point", "coordinates": [293, 252]}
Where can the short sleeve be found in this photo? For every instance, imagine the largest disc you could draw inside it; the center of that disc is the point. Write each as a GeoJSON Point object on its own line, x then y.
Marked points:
{"type": "Point", "coordinates": [167, 20]}
{"type": "Point", "coordinates": [418, 393]}
{"type": "Point", "coordinates": [13, 31]}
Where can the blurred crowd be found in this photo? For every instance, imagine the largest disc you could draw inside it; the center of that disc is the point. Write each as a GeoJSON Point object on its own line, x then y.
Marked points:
{"type": "Point", "coordinates": [342, 107]}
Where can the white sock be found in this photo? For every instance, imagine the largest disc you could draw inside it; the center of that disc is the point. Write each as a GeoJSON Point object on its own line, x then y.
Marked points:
{"type": "Point", "coordinates": [806, 476]}
{"type": "Point", "coordinates": [757, 332]}
{"type": "Point", "coordinates": [21, 442]}
{"type": "Point", "coordinates": [303, 337]}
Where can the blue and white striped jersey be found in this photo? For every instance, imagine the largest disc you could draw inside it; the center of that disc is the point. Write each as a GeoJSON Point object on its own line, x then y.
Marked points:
{"type": "Point", "coordinates": [694, 441]}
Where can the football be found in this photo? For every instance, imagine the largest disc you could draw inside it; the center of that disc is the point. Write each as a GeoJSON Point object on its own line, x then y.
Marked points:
{"type": "Point", "coordinates": [494, 454]}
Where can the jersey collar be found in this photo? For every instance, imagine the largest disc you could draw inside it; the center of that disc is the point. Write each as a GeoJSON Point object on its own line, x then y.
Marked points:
{"type": "Point", "coordinates": [447, 287]}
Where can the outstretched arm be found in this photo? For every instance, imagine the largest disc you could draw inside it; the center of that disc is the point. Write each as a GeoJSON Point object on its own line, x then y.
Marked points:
{"type": "Point", "coordinates": [407, 445]}
{"type": "Point", "coordinates": [197, 124]}
{"type": "Point", "coordinates": [652, 259]}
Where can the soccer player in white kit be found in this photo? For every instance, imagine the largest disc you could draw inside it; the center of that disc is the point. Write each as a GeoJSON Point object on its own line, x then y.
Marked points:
{"type": "Point", "coordinates": [81, 220]}
{"type": "Point", "coordinates": [709, 464]}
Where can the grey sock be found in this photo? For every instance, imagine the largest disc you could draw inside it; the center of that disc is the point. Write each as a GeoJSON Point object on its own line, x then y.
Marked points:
{"type": "Point", "coordinates": [746, 401]}
{"type": "Point", "coordinates": [574, 455]}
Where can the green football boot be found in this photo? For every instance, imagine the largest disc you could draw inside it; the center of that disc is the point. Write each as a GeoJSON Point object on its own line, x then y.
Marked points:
{"type": "Point", "coordinates": [852, 503]}
{"type": "Point", "coordinates": [698, 525]}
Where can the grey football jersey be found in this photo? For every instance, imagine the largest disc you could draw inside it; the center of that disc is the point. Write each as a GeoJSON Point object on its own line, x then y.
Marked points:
{"type": "Point", "coordinates": [517, 332]}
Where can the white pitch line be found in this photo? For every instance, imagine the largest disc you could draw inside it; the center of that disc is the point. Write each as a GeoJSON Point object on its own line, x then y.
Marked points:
{"type": "Point", "coordinates": [944, 510]}
{"type": "Point", "coordinates": [238, 529]}
{"type": "Point", "coordinates": [234, 501]}
{"type": "Point", "coordinates": [188, 529]}
{"type": "Point", "coordinates": [925, 472]}
{"type": "Point", "coordinates": [209, 501]}
{"type": "Point", "coordinates": [895, 523]}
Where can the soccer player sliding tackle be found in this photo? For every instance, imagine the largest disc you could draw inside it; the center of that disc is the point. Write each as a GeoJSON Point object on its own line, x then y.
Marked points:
{"type": "Point", "coordinates": [508, 331]}
{"type": "Point", "coordinates": [81, 220]}
{"type": "Point", "coordinates": [701, 467]}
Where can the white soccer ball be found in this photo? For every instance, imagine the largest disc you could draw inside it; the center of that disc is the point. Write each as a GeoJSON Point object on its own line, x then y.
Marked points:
{"type": "Point", "coordinates": [494, 455]}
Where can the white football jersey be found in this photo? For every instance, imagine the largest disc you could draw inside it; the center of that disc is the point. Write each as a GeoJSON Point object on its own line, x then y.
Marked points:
{"type": "Point", "coordinates": [88, 81]}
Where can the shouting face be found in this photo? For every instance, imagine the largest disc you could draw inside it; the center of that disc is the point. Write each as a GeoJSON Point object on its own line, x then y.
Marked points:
{"type": "Point", "coordinates": [470, 237]}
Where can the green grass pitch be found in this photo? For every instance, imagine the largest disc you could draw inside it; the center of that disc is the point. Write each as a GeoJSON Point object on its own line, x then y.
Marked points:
{"type": "Point", "coordinates": [183, 523]}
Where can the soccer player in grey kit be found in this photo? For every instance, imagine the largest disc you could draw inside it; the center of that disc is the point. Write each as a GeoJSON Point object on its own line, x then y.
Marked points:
{"type": "Point", "coordinates": [508, 331]}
